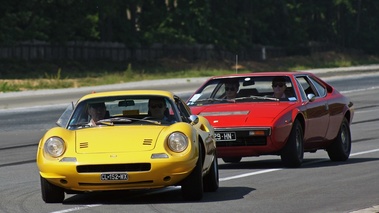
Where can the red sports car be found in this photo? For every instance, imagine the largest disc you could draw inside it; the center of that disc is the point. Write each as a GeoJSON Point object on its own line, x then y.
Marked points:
{"type": "Point", "coordinates": [275, 113]}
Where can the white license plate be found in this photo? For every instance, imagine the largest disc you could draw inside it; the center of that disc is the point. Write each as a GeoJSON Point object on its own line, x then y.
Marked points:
{"type": "Point", "coordinates": [225, 136]}
{"type": "Point", "coordinates": [114, 176]}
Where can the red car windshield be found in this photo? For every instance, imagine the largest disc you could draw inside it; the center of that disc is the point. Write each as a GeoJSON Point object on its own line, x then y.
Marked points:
{"type": "Point", "coordinates": [244, 89]}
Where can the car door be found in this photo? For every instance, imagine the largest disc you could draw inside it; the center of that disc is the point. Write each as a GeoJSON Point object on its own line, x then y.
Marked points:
{"type": "Point", "coordinates": [316, 111]}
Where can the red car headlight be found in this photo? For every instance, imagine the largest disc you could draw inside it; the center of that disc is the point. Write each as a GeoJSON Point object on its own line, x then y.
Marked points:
{"type": "Point", "coordinates": [177, 142]}
{"type": "Point", "coordinates": [54, 147]}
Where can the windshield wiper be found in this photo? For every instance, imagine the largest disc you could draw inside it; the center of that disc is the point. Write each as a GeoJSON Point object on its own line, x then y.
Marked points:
{"type": "Point", "coordinates": [211, 100]}
{"type": "Point", "coordinates": [148, 119]}
{"type": "Point", "coordinates": [257, 97]}
{"type": "Point", "coordinates": [105, 122]}
{"type": "Point", "coordinates": [117, 120]}
{"type": "Point", "coordinates": [129, 120]}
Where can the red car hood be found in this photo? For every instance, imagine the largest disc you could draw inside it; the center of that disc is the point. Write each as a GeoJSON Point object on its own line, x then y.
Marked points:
{"type": "Point", "coordinates": [241, 114]}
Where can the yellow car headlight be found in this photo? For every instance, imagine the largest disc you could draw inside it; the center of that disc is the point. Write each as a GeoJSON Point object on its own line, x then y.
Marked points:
{"type": "Point", "coordinates": [55, 147]}
{"type": "Point", "coordinates": [177, 142]}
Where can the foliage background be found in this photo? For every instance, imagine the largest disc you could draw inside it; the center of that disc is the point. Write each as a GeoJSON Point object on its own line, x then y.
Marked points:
{"type": "Point", "coordinates": [343, 33]}
{"type": "Point", "coordinates": [228, 24]}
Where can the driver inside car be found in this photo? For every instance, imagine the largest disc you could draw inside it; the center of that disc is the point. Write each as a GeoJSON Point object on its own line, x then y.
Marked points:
{"type": "Point", "coordinates": [97, 112]}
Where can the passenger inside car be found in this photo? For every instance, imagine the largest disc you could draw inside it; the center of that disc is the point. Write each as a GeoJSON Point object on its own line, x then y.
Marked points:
{"type": "Point", "coordinates": [158, 109]}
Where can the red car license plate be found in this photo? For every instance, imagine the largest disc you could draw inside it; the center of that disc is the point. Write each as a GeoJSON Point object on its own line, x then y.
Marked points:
{"type": "Point", "coordinates": [225, 136]}
{"type": "Point", "coordinates": [114, 176]}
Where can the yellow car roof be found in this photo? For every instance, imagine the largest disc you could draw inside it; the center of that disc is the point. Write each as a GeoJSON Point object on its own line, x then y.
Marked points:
{"type": "Point", "coordinates": [128, 92]}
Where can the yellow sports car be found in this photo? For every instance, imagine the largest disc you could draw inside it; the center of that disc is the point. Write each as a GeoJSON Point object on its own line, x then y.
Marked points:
{"type": "Point", "coordinates": [121, 140]}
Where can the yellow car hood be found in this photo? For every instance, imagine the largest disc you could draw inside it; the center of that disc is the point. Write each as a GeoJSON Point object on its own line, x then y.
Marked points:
{"type": "Point", "coordinates": [117, 139]}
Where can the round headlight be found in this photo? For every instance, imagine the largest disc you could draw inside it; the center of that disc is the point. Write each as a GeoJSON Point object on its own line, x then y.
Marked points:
{"type": "Point", "coordinates": [177, 142]}
{"type": "Point", "coordinates": [54, 147]}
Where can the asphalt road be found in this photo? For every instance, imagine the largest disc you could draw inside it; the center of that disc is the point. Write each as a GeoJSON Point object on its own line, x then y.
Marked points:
{"type": "Point", "coordinates": [254, 185]}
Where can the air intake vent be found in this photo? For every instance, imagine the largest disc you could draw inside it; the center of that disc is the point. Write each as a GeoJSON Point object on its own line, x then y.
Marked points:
{"type": "Point", "coordinates": [147, 142]}
{"type": "Point", "coordinates": [84, 145]}
{"type": "Point", "coordinates": [129, 167]}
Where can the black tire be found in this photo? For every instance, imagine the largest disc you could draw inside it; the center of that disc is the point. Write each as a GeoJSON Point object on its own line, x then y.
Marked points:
{"type": "Point", "coordinates": [293, 152]}
{"type": "Point", "coordinates": [192, 186]}
{"type": "Point", "coordinates": [339, 149]}
{"type": "Point", "coordinates": [232, 159]}
{"type": "Point", "coordinates": [211, 180]}
{"type": "Point", "coordinates": [51, 193]}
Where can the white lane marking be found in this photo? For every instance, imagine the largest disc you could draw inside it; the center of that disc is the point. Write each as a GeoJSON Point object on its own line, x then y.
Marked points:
{"type": "Point", "coordinates": [358, 90]}
{"type": "Point", "coordinates": [373, 209]}
{"type": "Point", "coordinates": [222, 179]}
{"type": "Point", "coordinates": [366, 111]}
{"type": "Point", "coordinates": [248, 174]}
{"type": "Point", "coordinates": [364, 152]}
{"type": "Point", "coordinates": [274, 170]}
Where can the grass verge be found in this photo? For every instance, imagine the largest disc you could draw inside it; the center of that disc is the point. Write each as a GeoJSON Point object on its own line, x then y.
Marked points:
{"type": "Point", "coordinates": [21, 75]}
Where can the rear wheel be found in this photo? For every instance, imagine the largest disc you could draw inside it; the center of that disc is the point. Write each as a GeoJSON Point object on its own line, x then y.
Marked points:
{"type": "Point", "coordinates": [51, 193]}
{"type": "Point", "coordinates": [293, 152]}
{"type": "Point", "coordinates": [232, 159]}
{"type": "Point", "coordinates": [210, 180]}
{"type": "Point", "coordinates": [192, 186]}
{"type": "Point", "coordinates": [339, 149]}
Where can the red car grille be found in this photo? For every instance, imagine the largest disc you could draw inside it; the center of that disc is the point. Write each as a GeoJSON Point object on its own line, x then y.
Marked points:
{"type": "Point", "coordinates": [130, 167]}
{"type": "Point", "coordinates": [244, 141]}
{"type": "Point", "coordinates": [242, 137]}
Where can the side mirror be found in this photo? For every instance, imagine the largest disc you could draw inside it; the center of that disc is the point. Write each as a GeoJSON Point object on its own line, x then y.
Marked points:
{"type": "Point", "coordinates": [311, 97]}
{"type": "Point", "coordinates": [194, 119]}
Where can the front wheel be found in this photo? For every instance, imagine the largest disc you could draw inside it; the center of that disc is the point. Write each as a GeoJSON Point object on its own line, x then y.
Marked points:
{"type": "Point", "coordinates": [192, 186]}
{"type": "Point", "coordinates": [211, 180]}
{"type": "Point", "coordinates": [293, 152]}
{"type": "Point", "coordinates": [51, 193]}
{"type": "Point", "coordinates": [339, 149]}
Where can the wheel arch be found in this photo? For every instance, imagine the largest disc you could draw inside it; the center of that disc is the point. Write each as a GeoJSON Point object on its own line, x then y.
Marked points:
{"type": "Point", "coordinates": [202, 154]}
{"type": "Point", "coordinates": [348, 116]}
{"type": "Point", "coordinates": [301, 119]}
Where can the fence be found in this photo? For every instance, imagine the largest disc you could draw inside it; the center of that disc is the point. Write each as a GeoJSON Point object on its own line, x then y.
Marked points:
{"type": "Point", "coordinates": [86, 51]}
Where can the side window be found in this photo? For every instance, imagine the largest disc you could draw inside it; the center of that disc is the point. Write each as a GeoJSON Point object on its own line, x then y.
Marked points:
{"type": "Point", "coordinates": [184, 111]}
{"type": "Point", "coordinates": [169, 107]}
{"type": "Point", "coordinates": [320, 89]}
{"type": "Point", "coordinates": [307, 85]}
{"type": "Point", "coordinates": [304, 87]}
{"type": "Point", "coordinates": [79, 116]}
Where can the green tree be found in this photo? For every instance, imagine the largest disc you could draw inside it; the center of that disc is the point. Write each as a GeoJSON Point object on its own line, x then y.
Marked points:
{"type": "Point", "coordinates": [70, 20]}
{"type": "Point", "coordinates": [234, 25]}
{"type": "Point", "coordinates": [21, 20]}
{"type": "Point", "coordinates": [175, 21]}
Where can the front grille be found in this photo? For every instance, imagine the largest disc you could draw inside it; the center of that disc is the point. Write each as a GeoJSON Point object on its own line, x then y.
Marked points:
{"type": "Point", "coordinates": [130, 167]}
{"type": "Point", "coordinates": [147, 182]}
{"type": "Point", "coordinates": [244, 141]}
